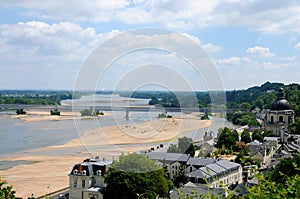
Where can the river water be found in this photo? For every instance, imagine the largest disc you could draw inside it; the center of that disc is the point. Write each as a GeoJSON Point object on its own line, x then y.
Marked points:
{"type": "Point", "coordinates": [18, 137]}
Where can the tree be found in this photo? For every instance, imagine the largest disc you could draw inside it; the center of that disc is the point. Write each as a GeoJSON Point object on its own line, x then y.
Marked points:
{"type": "Point", "coordinates": [245, 137]}
{"type": "Point", "coordinates": [6, 191]}
{"type": "Point", "coordinates": [294, 128]}
{"type": "Point", "coordinates": [173, 148]}
{"type": "Point", "coordinates": [245, 106]}
{"type": "Point", "coordinates": [186, 146]}
{"type": "Point", "coordinates": [268, 189]}
{"type": "Point", "coordinates": [256, 135]}
{"type": "Point", "coordinates": [286, 168]}
{"type": "Point", "coordinates": [227, 138]}
{"type": "Point", "coordinates": [135, 175]}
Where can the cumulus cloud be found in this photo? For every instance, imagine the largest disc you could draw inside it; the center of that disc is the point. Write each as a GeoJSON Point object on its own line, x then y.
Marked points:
{"type": "Point", "coordinates": [233, 61]}
{"type": "Point", "coordinates": [261, 16]}
{"type": "Point", "coordinates": [211, 47]}
{"type": "Point", "coordinates": [260, 51]}
{"type": "Point", "coordinates": [45, 51]}
{"type": "Point", "coordinates": [297, 46]}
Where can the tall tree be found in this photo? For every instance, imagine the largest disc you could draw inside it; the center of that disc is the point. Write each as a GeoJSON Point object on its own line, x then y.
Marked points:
{"type": "Point", "coordinates": [135, 175]}
{"type": "Point", "coordinates": [186, 146]}
{"type": "Point", "coordinates": [245, 137]}
{"type": "Point", "coordinates": [227, 138]}
{"type": "Point", "coordinates": [256, 135]}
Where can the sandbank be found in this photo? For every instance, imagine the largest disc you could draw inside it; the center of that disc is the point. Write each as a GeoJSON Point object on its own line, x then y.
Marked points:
{"type": "Point", "coordinates": [36, 115]}
{"type": "Point", "coordinates": [48, 173]}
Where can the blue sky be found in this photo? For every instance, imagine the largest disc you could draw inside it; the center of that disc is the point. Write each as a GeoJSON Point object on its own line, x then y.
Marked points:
{"type": "Point", "coordinates": [44, 44]}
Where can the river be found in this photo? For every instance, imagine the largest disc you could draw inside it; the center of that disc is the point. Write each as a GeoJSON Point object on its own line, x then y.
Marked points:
{"type": "Point", "coordinates": [18, 137]}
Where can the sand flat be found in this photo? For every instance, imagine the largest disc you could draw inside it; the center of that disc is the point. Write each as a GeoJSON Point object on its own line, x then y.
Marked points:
{"type": "Point", "coordinates": [48, 173]}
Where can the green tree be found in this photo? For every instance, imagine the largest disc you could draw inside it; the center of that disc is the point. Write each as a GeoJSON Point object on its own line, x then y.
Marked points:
{"type": "Point", "coordinates": [256, 135]}
{"type": "Point", "coordinates": [268, 189]}
{"type": "Point", "coordinates": [135, 175]}
{"type": "Point", "coordinates": [294, 128]}
{"type": "Point", "coordinates": [227, 138]}
{"type": "Point", "coordinates": [173, 148]}
{"type": "Point", "coordinates": [245, 106]}
{"type": "Point", "coordinates": [6, 191]}
{"type": "Point", "coordinates": [286, 168]}
{"type": "Point", "coordinates": [186, 146]}
{"type": "Point", "coordinates": [245, 137]}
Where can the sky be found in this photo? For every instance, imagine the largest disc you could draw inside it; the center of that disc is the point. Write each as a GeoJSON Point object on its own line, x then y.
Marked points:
{"type": "Point", "coordinates": [47, 44]}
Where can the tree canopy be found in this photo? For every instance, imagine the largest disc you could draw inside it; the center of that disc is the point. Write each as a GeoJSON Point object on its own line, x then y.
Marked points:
{"type": "Point", "coordinates": [134, 176]}
{"type": "Point", "coordinates": [227, 138]}
{"type": "Point", "coordinates": [185, 145]}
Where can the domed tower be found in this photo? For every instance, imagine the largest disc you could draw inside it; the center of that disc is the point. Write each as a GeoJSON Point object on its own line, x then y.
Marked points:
{"type": "Point", "coordinates": [280, 114]}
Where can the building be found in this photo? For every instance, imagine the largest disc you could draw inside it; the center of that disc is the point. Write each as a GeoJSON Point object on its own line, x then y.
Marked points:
{"type": "Point", "coordinates": [196, 163]}
{"type": "Point", "coordinates": [86, 179]}
{"type": "Point", "coordinates": [213, 172]}
{"type": "Point", "coordinates": [172, 162]}
{"type": "Point", "coordinates": [193, 190]}
{"type": "Point", "coordinates": [206, 145]}
{"type": "Point", "coordinates": [221, 173]}
{"type": "Point", "coordinates": [280, 114]}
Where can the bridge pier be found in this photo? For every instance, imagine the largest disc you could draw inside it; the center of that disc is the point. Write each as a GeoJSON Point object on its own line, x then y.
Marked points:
{"type": "Point", "coordinates": [127, 114]}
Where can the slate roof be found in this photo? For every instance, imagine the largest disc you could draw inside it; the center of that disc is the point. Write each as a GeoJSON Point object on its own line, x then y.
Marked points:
{"type": "Point", "coordinates": [168, 157]}
{"type": "Point", "coordinates": [189, 189]}
{"type": "Point", "coordinates": [227, 164]}
{"type": "Point", "coordinates": [200, 161]}
{"type": "Point", "coordinates": [217, 169]}
{"type": "Point", "coordinates": [255, 142]}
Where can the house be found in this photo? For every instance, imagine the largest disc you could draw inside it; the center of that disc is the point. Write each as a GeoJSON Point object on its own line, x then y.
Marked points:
{"type": "Point", "coordinates": [206, 145]}
{"type": "Point", "coordinates": [196, 163]}
{"type": "Point", "coordinates": [196, 191]}
{"type": "Point", "coordinates": [172, 162]}
{"type": "Point", "coordinates": [217, 174]}
{"type": "Point", "coordinates": [86, 179]}
{"type": "Point", "coordinates": [255, 146]}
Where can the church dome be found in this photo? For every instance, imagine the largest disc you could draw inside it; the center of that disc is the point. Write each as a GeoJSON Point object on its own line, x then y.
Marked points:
{"type": "Point", "coordinates": [281, 103]}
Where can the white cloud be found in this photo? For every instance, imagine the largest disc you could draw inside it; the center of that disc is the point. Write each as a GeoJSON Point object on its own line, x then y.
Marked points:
{"type": "Point", "coordinates": [277, 66]}
{"type": "Point", "coordinates": [233, 61]}
{"type": "Point", "coordinates": [257, 15]}
{"type": "Point", "coordinates": [211, 48]}
{"type": "Point", "coordinates": [260, 51]}
{"type": "Point", "coordinates": [40, 50]}
{"type": "Point", "coordinates": [297, 46]}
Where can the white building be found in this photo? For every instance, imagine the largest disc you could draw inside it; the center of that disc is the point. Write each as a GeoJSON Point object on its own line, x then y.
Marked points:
{"type": "Point", "coordinates": [280, 114]}
{"type": "Point", "coordinates": [172, 162]}
{"type": "Point", "coordinates": [86, 179]}
{"type": "Point", "coordinates": [221, 173]}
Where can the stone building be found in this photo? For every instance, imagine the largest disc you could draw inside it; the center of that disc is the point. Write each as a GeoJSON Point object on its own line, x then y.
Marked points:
{"type": "Point", "coordinates": [86, 179]}
{"type": "Point", "coordinates": [280, 115]}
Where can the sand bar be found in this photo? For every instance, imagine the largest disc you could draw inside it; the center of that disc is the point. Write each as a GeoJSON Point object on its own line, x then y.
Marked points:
{"type": "Point", "coordinates": [48, 173]}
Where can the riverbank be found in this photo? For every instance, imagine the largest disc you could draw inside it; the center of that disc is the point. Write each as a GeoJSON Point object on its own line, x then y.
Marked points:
{"type": "Point", "coordinates": [49, 167]}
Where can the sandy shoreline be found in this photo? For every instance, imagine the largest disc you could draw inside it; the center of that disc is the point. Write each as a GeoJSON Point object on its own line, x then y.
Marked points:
{"type": "Point", "coordinates": [35, 116]}
{"type": "Point", "coordinates": [48, 173]}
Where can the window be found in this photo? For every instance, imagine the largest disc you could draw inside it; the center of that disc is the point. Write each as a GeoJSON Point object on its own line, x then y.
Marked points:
{"type": "Point", "coordinates": [83, 183]}
{"type": "Point", "coordinates": [280, 119]}
{"type": "Point", "coordinates": [75, 182]}
{"type": "Point", "coordinates": [272, 119]}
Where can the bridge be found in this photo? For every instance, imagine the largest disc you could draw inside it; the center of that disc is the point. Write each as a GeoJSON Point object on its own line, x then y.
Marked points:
{"type": "Point", "coordinates": [126, 109]}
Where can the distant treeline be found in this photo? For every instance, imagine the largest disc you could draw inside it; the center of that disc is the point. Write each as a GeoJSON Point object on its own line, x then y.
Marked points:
{"type": "Point", "coordinates": [172, 99]}
{"type": "Point", "coordinates": [36, 97]}
{"type": "Point", "coordinates": [237, 100]}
